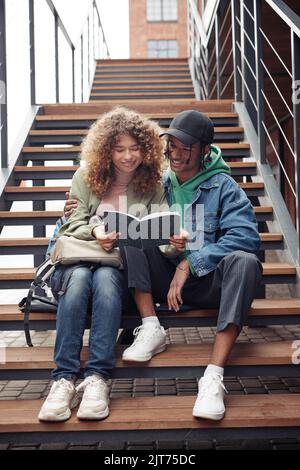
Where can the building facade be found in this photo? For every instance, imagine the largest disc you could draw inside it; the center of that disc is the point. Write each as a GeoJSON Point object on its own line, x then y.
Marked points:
{"type": "Point", "coordinates": [158, 29]}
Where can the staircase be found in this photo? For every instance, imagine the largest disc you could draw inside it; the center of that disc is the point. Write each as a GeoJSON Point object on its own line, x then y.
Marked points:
{"type": "Point", "coordinates": [158, 89]}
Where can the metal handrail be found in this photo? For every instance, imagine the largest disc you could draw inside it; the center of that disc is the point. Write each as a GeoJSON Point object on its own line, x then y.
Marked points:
{"type": "Point", "coordinates": [249, 72]}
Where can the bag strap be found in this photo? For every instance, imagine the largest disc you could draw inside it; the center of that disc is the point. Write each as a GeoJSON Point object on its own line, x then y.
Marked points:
{"type": "Point", "coordinates": [27, 313]}
{"type": "Point", "coordinates": [38, 281]}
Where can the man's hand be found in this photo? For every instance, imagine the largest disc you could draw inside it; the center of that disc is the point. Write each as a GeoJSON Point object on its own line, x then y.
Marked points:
{"type": "Point", "coordinates": [174, 295]}
{"type": "Point", "coordinates": [70, 205]}
{"type": "Point", "coordinates": [179, 241]}
{"type": "Point", "coordinates": [106, 241]}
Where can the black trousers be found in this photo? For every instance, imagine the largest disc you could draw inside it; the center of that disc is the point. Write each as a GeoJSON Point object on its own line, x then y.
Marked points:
{"type": "Point", "coordinates": [231, 287]}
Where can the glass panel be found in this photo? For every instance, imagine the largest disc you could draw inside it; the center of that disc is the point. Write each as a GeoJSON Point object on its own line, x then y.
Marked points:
{"type": "Point", "coordinates": [169, 10]}
{"type": "Point", "coordinates": [154, 10]}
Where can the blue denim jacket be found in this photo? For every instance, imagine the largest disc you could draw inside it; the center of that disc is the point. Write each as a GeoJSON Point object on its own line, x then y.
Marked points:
{"type": "Point", "coordinates": [229, 222]}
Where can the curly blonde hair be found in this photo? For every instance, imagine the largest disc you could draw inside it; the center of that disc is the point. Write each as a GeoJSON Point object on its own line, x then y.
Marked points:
{"type": "Point", "coordinates": [105, 133]}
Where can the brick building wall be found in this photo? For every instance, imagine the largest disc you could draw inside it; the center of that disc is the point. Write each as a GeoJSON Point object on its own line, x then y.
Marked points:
{"type": "Point", "coordinates": [142, 31]}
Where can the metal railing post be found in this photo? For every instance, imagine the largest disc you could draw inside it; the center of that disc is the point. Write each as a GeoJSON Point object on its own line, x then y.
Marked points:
{"type": "Point", "coordinates": [88, 55]}
{"type": "Point", "coordinates": [82, 69]}
{"type": "Point", "coordinates": [73, 74]}
{"type": "Point", "coordinates": [3, 89]}
{"type": "Point", "coordinates": [259, 80]}
{"type": "Point", "coordinates": [32, 52]}
{"type": "Point", "coordinates": [56, 58]}
{"type": "Point", "coordinates": [218, 58]}
{"type": "Point", "coordinates": [236, 38]}
{"type": "Point", "coordinates": [295, 56]}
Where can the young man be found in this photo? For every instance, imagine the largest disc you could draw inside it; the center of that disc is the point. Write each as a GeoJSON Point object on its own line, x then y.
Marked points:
{"type": "Point", "coordinates": [218, 268]}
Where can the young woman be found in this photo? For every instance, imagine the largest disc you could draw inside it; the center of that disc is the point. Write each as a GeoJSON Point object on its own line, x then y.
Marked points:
{"type": "Point", "coordinates": [123, 156]}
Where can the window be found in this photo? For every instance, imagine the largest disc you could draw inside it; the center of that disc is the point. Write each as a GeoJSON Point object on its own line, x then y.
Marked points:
{"type": "Point", "coordinates": [163, 48]}
{"type": "Point", "coordinates": [161, 10]}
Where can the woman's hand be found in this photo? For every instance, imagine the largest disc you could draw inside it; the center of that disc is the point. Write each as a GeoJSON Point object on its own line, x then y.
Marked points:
{"type": "Point", "coordinates": [179, 279]}
{"type": "Point", "coordinates": [70, 205]}
{"type": "Point", "coordinates": [179, 241]}
{"type": "Point", "coordinates": [105, 240]}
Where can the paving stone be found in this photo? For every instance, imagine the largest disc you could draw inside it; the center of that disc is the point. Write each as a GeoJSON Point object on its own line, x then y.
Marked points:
{"type": "Point", "coordinates": [169, 445]}
{"type": "Point", "coordinates": [29, 396]}
{"type": "Point", "coordinates": [294, 389]}
{"type": "Point", "coordinates": [112, 445]}
{"type": "Point", "coordinates": [256, 444]}
{"type": "Point", "coordinates": [166, 390]}
{"type": "Point", "coordinates": [144, 388]}
{"type": "Point", "coordinates": [200, 445]}
{"type": "Point", "coordinates": [120, 394]}
{"type": "Point", "coordinates": [34, 388]}
{"type": "Point", "coordinates": [82, 447]}
{"type": "Point", "coordinates": [9, 393]}
{"type": "Point", "coordinates": [275, 386]}
{"type": "Point", "coordinates": [17, 383]}
{"type": "Point", "coordinates": [144, 381]}
{"type": "Point", "coordinates": [251, 383]}
{"type": "Point", "coordinates": [53, 446]}
{"type": "Point", "coordinates": [291, 381]}
{"type": "Point", "coordinates": [254, 390]}
{"type": "Point", "coordinates": [165, 382]}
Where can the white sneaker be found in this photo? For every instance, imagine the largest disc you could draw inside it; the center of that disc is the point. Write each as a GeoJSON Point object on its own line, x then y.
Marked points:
{"type": "Point", "coordinates": [59, 402]}
{"type": "Point", "coordinates": [95, 400]}
{"type": "Point", "coordinates": [210, 400]}
{"type": "Point", "coordinates": [150, 339]}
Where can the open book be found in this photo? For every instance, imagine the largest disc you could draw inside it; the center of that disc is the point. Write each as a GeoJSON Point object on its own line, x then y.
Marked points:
{"type": "Point", "coordinates": [150, 231]}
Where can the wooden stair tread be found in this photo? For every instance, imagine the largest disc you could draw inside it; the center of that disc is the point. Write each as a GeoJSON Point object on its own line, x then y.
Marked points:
{"type": "Point", "coordinates": [77, 148]}
{"type": "Point", "coordinates": [133, 81]}
{"type": "Point", "coordinates": [218, 130]}
{"type": "Point", "coordinates": [80, 117]}
{"type": "Point", "coordinates": [42, 168]}
{"type": "Point", "coordinates": [162, 86]}
{"type": "Point", "coordinates": [275, 269]}
{"type": "Point", "coordinates": [20, 214]}
{"type": "Point", "coordinates": [144, 93]}
{"type": "Point", "coordinates": [260, 307]}
{"type": "Point", "coordinates": [163, 412]}
{"type": "Point", "coordinates": [53, 189]}
{"type": "Point", "coordinates": [176, 355]}
{"type": "Point", "coordinates": [45, 240]}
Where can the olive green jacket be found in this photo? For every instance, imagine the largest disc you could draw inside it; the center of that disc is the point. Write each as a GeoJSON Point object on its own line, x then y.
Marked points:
{"type": "Point", "coordinates": [78, 224]}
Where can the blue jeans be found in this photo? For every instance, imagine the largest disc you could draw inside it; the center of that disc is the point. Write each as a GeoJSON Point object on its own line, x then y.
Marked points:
{"type": "Point", "coordinates": [103, 290]}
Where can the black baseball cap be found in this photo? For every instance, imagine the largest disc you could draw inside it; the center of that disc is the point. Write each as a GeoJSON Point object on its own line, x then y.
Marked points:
{"type": "Point", "coordinates": [190, 127]}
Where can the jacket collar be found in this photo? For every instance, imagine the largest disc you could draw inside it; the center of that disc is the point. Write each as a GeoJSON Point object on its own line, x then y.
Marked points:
{"type": "Point", "coordinates": [212, 182]}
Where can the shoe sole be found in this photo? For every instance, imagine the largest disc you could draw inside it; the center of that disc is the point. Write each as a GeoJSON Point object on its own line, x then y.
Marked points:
{"type": "Point", "coordinates": [63, 416]}
{"type": "Point", "coordinates": [50, 417]}
{"type": "Point", "coordinates": [144, 358]}
{"type": "Point", "coordinates": [94, 416]}
{"type": "Point", "coordinates": [213, 417]}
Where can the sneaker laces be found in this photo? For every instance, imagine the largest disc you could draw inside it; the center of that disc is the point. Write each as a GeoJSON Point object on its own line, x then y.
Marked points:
{"type": "Point", "coordinates": [210, 384]}
{"type": "Point", "coordinates": [141, 333]}
{"type": "Point", "coordinates": [59, 389]}
{"type": "Point", "coordinates": [96, 385]}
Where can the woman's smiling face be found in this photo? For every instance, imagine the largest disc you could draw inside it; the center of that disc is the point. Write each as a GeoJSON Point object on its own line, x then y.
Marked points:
{"type": "Point", "coordinates": [126, 154]}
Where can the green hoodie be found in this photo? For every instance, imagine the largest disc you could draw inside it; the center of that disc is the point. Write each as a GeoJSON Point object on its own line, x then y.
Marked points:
{"type": "Point", "coordinates": [182, 194]}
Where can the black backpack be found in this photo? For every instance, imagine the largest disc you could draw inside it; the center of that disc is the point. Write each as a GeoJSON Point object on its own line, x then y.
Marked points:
{"type": "Point", "coordinates": [40, 297]}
